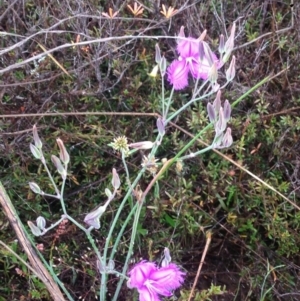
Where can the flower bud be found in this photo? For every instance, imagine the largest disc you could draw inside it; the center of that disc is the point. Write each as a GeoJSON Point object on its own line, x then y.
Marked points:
{"type": "Point", "coordinates": [160, 123]}
{"type": "Point", "coordinates": [63, 154]}
{"type": "Point", "coordinates": [37, 141]}
{"type": "Point", "coordinates": [227, 138]}
{"type": "Point", "coordinates": [35, 187]}
{"type": "Point", "coordinates": [92, 219]}
{"type": "Point", "coordinates": [229, 45]}
{"type": "Point", "coordinates": [108, 193]}
{"type": "Point", "coordinates": [221, 124]}
{"type": "Point", "coordinates": [57, 163]}
{"type": "Point", "coordinates": [201, 51]}
{"type": "Point", "coordinates": [41, 222]}
{"type": "Point", "coordinates": [100, 267]}
{"type": "Point", "coordinates": [218, 140]}
{"type": "Point", "coordinates": [211, 112]}
{"type": "Point", "coordinates": [230, 72]}
{"type": "Point", "coordinates": [227, 110]}
{"type": "Point", "coordinates": [203, 34]}
{"type": "Point", "coordinates": [222, 44]}
{"type": "Point", "coordinates": [34, 229]}
{"type": "Point", "coordinates": [111, 265]}
{"type": "Point", "coordinates": [181, 34]}
{"type": "Point", "coordinates": [157, 54]}
{"type": "Point", "coordinates": [217, 102]}
{"type": "Point", "coordinates": [167, 258]}
{"type": "Point", "coordinates": [163, 66]}
{"type": "Point", "coordinates": [116, 183]}
{"type": "Point", "coordinates": [213, 73]}
{"type": "Point", "coordinates": [35, 151]}
{"type": "Point", "coordinates": [105, 269]}
{"type": "Point", "coordinates": [142, 145]}
{"type": "Point", "coordinates": [208, 54]}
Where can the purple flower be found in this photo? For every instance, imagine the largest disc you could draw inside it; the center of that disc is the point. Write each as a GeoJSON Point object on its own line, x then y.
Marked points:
{"type": "Point", "coordinates": [178, 73]}
{"type": "Point", "coordinates": [151, 281]}
{"type": "Point", "coordinates": [189, 62]}
{"type": "Point", "coordinates": [188, 48]}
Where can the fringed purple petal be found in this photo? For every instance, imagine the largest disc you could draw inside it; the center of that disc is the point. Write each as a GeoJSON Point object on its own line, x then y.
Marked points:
{"type": "Point", "coordinates": [190, 61]}
{"type": "Point", "coordinates": [151, 281]}
{"type": "Point", "coordinates": [195, 69]}
{"type": "Point", "coordinates": [140, 273]}
{"type": "Point", "coordinates": [188, 48]}
{"type": "Point", "coordinates": [147, 294]}
{"type": "Point", "coordinates": [169, 277]}
{"type": "Point", "coordinates": [178, 74]}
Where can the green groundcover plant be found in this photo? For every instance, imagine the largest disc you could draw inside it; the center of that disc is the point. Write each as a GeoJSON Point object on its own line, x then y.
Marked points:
{"type": "Point", "coordinates": [190, 90]}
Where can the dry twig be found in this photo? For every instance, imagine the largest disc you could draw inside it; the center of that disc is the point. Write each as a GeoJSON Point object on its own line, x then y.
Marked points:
{"type": "Point", "coordinates": [36, 264]}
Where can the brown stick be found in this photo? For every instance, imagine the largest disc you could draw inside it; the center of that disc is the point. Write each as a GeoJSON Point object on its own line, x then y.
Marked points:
{"type": "Point", "coordinates": [34, 260]}
{"type": "Point", "coordinates": [208, 241]}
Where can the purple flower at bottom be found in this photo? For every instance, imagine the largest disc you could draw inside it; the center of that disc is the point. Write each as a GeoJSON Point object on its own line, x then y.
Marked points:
{"type": "Point", "coordinates": [151, 281]}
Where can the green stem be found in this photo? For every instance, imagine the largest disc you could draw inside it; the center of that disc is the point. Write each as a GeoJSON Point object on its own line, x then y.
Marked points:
{"type": "Point", "coordinates": [103, 278]}
{"type": "Point", "coordinates": [62, 202]}
{"type": "Point", "coordinates": [109, 236]}
{"type": "Point", "coordinates": [163, 95]}
{"type": "Point", "coordinates": [263, 81]}
{"type": "Point", "coordinates": [116, 244]}
{"type": "Point", "coordinates": [202, 151]}
{"type": "Point", "coordinates": [49, 174]}
{"type": "Point", "coordinates": [140, 205]}
{"type": "Point", "coordinates": [66, 215]}
{"type": "Point", "coordinates": [127, 176]}
{"type": "Point", "coordinates": [169, 103]}
{"type": "Point", "coordinates": [130, 249]}
{"type": "Point", "coordinates": [195, 93]}
{"type": "Point", "coordinates": [54, 225]}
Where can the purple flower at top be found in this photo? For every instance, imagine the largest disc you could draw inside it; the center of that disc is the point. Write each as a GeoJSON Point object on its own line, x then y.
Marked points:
{"type": "Point", "coordinates": [189, 62]}
{"type": "Point", "coordinates": [151, 281]}
{"type": "Point", "coordinates": [188, 48]}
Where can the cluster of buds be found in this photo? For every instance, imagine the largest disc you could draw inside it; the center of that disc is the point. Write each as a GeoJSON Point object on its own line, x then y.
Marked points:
{"type": "Point", "coordinates": [108, 269]}
{"type": "Point", "coordinates": [40, 228]}
{"type": "Point", "coordinates": [64, 157]}
{"type": "Point", "coordinates": [219, 116]}
{"type": "Point", "coordinates": [60, 163]}
{"type": "Point", "coordinates": [225, 49]}
{"type": "Point", "coordinates": [36, 148]}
